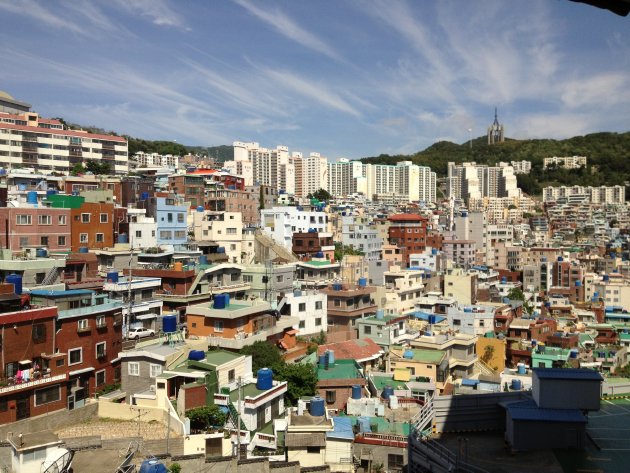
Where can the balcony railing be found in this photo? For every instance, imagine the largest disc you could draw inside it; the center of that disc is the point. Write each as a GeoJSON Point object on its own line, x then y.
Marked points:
{"type": "Point", "coordinates": [28, 384]}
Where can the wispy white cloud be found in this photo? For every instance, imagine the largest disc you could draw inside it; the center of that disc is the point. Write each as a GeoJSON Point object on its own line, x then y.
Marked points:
{"type": "Point", "coordinates": [36, 11]}
{"type": "Point", "coordinates": [601, 90]}
{"type": "Point", "coordinates": [289, 28]}
{"type": "Point", "coordinates": [158, 11]}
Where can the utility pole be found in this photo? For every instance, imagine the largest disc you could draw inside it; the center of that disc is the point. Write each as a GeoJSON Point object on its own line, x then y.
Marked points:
{"type": "Point", "coordinates": [238, 421]}
{"type": "Point", "coordinates": [129, 300]}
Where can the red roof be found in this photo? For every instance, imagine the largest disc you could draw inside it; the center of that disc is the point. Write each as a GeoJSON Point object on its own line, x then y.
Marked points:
{"type": "Point", "coordinates": [203, 171]}
{"type": "Point", "coordinates": [352, 349]}
{"type": "Point", "coordinates": [50, 131]}
{"type": "Point", "coordinates": [406, 218]}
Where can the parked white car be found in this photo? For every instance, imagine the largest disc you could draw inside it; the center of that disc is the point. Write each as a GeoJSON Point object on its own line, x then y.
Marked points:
{"type": "Point", "coordinates": [140, 332]}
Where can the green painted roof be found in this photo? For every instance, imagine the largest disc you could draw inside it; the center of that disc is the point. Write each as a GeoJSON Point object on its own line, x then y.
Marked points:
{"type": "Point", "coordinates": [317, 263]}
{"type": "Point", "coordinates": [59, 201]}
{"type": "Point", "coordinates": [428, 356]}
{"type": "Point", "coordinates": [219, 357]}
{"type": "Point", "coordinates": [249, 390]}
{"type": "Point", "coordinates": [342, 369]}
{"type": "Point", "coordinates": [381, 381]}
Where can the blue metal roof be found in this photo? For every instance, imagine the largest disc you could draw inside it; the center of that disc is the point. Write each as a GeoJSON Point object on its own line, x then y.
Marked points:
{"type": "Point", "coordinates": [425, 316]}
{"type": "Point", "coordinates": [525, 412]}
{"type": "Point", "coordinates": [576, 374]}
{"type": "Point", "coordinates": [72, 292]}
{"type": "Point", "coordinates": [342, 429]}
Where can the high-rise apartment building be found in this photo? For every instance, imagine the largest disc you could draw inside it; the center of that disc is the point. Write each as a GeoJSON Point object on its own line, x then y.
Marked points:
{"type": "Point", "coordinates": [470, 180]}
{"type": "Point", "coordinates": [263, 166]}
{"type": "Point", "coordinates": [311, 173]}
{"type": "Point", "coordinates": [30, 141]}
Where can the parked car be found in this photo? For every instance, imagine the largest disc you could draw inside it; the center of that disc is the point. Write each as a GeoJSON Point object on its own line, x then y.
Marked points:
{"type": "Point", "coordinates": [139, 332]}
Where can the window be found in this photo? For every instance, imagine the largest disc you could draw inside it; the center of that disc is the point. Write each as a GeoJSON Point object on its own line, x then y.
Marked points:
{"type": "Point", "coordinates": [395, 462]}
{"type": "Point", "coordinates": [44, 220]}
{"type": "Point", "coordinates": [47, 395]}
{"type": "Point", "coordinates": [100, 378]}
{"type": "Point", "coordinates": [331, 396]}
{"type": "Point", "coordinates": [61, 240]}
{"type": "Point", "coordinates": [302, 324]}
{"type": "Point", "coordinates": [248, 278]}
{"type": "Point", "coordinates": [166, 235]}
{"type": "Point", "coordinates": [23, 220]}
{"type": "Point", "coordinates": [313, 449]}
{"type": "Point", "coordinates": [180, 234]}
{"type": "Point", "coordinates": [231, 376]}
{"type": "Point", "coordinates": [231, 231]}
{"type": "Point", "coordinates": [457, 322]}
{"type": "Point", "coordinates": [23, 241]}
{"type": "Point", "coordinates": [138, 233]}
{"type": "Point", "coordinates": [133, 368]}
{"type": "Point", "coordinates": [62, 220]}
{"type": "Point", "coordinates": [318, 305]}
{"type": "Point", "coordinates": [100, 350]}
{"type": "Point", "coordinates": [155, 370]}
{"type": "Point", "coordinates": [180, 218]}
{"type": "Point", "coordinates": [83, 325]}
{"type": "Point", "coordinates": [83, 237]}
{"type": "Point", "coordinates": [100, 237]}
{"type": "Point", "coordinates": [85, 218]}
{"type": "Point", "coordinates": [302, 307]}
{"type": "Point", "coordinates": [100, 321]}
{"type": "Point", "coordinates": [218, 325]}
{"type": "Point", "coordinates": [318, 321]}
{"type": "Point", "coordinates": [280, 278]}
{"type": "Point", "coordinates": [367, 330]}
{"type": "Point", "coordinates": [104, 218]}
{"type": "Point", "coordinates": [233, 247]}
{"type": "Point", "coordinates": [75, 356]}
{"type": "Point", "coordinates": [169, 217]}
{"type": "Point", "coordinates": [337, 302]}
{"type": "Point", "coordinates": [39, 332]}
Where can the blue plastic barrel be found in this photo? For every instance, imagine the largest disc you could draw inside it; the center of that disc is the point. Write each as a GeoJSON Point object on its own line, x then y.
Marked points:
{"type": "Point", "coordinates": [317, 407]}
{"type": "Point", "coordinates": [112, 276]}
{"type": "Point", "coordinates": [16, 280]}
{"type": "Point", "coordinates": [356, 391]}
{"type": "Point", "coordinates": [169, 324]}
{"type": "Point", "coordinates": [264, 379]}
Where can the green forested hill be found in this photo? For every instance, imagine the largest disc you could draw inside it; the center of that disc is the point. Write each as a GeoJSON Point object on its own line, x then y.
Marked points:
{"type": "Point", "coordinates": [608, 158]}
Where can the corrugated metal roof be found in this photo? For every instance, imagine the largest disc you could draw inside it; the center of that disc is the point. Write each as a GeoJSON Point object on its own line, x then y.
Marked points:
{"type": "Point", "coordinates": [545, 415]}
{"type": "Point", "coordinates": [577, 374]}
{"type": "Point", "coordinates": [343, 429]}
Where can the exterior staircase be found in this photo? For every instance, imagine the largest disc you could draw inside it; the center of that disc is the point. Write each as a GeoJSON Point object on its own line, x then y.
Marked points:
{"type": "Point", "coordinates": [268, 245]}
{"type": "Point", "coordinates": [483, 368]}
{"type": "Point", "coordinates": [234, 416]}
{"type": "Point", "coordinates": [421, 422]}
{"type": "Point", "coordinates": [51, 276]}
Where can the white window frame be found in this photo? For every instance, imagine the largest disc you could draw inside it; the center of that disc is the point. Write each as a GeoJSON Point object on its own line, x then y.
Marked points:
{"type": "Point", "coordinates": [153, 370]}
{"type": "Point", "coordinates": [62, 220]}
{"type": "Point", "coordinates": [104, 372]}
{"type": "Point", "coordinates": [83, 217]}
{"type": "Point", "coordinates": [100, 321]}
{"type": "Point", "coordinates": [80, 349]}
{"type": "Point", "coordinates": [28, 218]}
{"type": "Point", "coordinates": [216, 325]}
{"type": "Point", "coordinates": [83, 238]}
{"type": "Point", "coordinates": [133, 368]}
{"type": "Point", "coordinates": [106, 218]}
{"type": "Point", "coordinates": [102, 238]}
{"type": "Point", "coordinates": [83, 324]}
{"type": "Point", "coordinates": [44, 219]}
{"type": "Point", "coordinates": [104, 350]}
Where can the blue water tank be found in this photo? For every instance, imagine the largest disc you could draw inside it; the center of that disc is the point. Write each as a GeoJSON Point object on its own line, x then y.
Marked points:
{"type": "Point", "coordinates": [41, 253]}
{"type": "Point", "coordinates": [264, 379]}
{"type": "Point", "coordinates": [534, 343]}
{"type": "Point", "coordinates": [578, 283]}
{"type": "Point", "coordinates": [596, 294]}
{"type": "Point", "coordinates": [387, 392]}
{"type": "Point", "coordinates": [122, 238]}
{"type": "Point", "coordinates": [434, 251]}
{"type": "Point", "coordinates": [408, 354]}
{"type": "Point", "coordinates": [503, 280]}
{"type": "Point", "coordinates": [521, 368]}
{"type": "Point", "coordinates": [432, 319]}
{"type": "Point", "coordinates": [547, 304]}
{"type": "Point", "coordinates": [169, 324]}
{"type": "Point", "coordinates": [200, 208]}
{"type": "Point", "coordinates": [112, 276]}
{"type": "Point", "coordinates": [153, 465]}
{"type": "Point", "coordinates": [319, 254]}
{"type": "Point", "coordinates": [16, 280]}
{"type": "Point", "coordinates": [356, 391]}
{"type": "Point", "coordinates": [221, 249]}
{"type": "Point", "coordinates": [468, 309]}
{"type": "Point", "coordinates": [84, 249]}
{"type": "Point", "coordinates": [337, 286]}
{"type": "Point", "coordinates": [322, 360]}
{"type": "Point", "coordinates": [203, 259]}
{"type": "Point", "coordinates": [31, 197]}
{"type": "Point", "coordinates": [517, 384]}
{"type": "Point", "coordinates": [50, 192]}
{"type": "Point", "coordinates": [144, 196]}
{"type": "Point", "coordinates": [221, 301]}
{"type": "Point", "coordinates": [380, 313]}
{"type": "Point", "coordinates": [573, 354]}
{"type": "Point", "coordinates": [560, 259]}
{"type": "Point", "coordinates": [317, 407]}
{"type": "Point", "coordinates": [330, 357]}
{"type": "Point", "coordinates": [196, 355]}
{"type": "Point", "coordinates": [362, 282]}
{"type": "Point", "coordinates": [606, 278]}
{"type": "Point", "coordinates": [22, 187]}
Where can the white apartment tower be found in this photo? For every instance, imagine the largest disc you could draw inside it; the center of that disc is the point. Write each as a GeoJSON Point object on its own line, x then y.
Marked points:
{"type": "Point", "coordinates": [469, 180]}
{"type": "Point", "coordinates": [269, 167]}
{"type": "Point", "coordinates": [311, 173]}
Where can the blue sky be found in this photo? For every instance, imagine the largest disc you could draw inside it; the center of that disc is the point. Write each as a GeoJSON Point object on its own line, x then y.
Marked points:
{"type": "Point", "coordinates": [343, 78]}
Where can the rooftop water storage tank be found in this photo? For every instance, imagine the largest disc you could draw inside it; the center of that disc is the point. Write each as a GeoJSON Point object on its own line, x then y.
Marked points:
{"type": "Point", "coordinates": [200, 208]}
{"type": "Point", "coordinates": [434, 251]}
{"type": "Point", "coordinates": [408, 354]}
{"type": "Point", "coordinates": [312, 230]}
{"type": "Point", "coordinates": [322, 360]}
{"type": "Point", "coordinates": [337, 286]}
{"type": "Point", "coordinates": [31, 197]}
{"type": "Point", "coordinates": [221, 301]}
{"type": "Point", "coordinates": [356, 391]}
{"type": "Point", "coordinates": [432, 319]}
{"type": "Point", "coordinates": [153, 465]}
{"type": "Point", "coordinates": [560, 259]}
{"type": "Point", "coordinates": [521, 368]}
{"type": "Point", "coordinates": [122, 238]}
{"type": "Point", "coordinates": [380, 313]}
{"type": "Point", "coordinates": [606, 278]}
{"type": "Point", "coordinates": [41, 253]}
{"type": "Point", "coordinates": [144, 196]}
{"type": "Point", "coordinates": [50, 192]}
{"type": "Point", "coordinates": [319, 254]}
{"type": "Point", "coordinates": [112, 276]}
{"type": "Point", "coordinates": [16, 280]}
{"type": "Point", "coordinates": [517, 384]}
{"type": "Point", "coordinates": [264, 379]}
{"type": "Point", "coordinates": [84, 249]}
{"type": "Point", "coordinates": [169, 324]}
{"type": "Point", "coordinates": [388, 391]}
{"type": "Point", "coordinates": [317, 407]}
{"type": "Point", "coordinates": [196, 355]}
{"type": "Point", "coordinates": [468, 309]}
{"type": "Point", "coordinates": [203, 259]}
{"type": "Point", "coordinates": [503, 280]}
{"type": "Point", "coordinates": [330, 357]}
{"type": "Point", "coordinates": [362, 282]}
{"type": "Point", "coordinates": [573, 354]}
